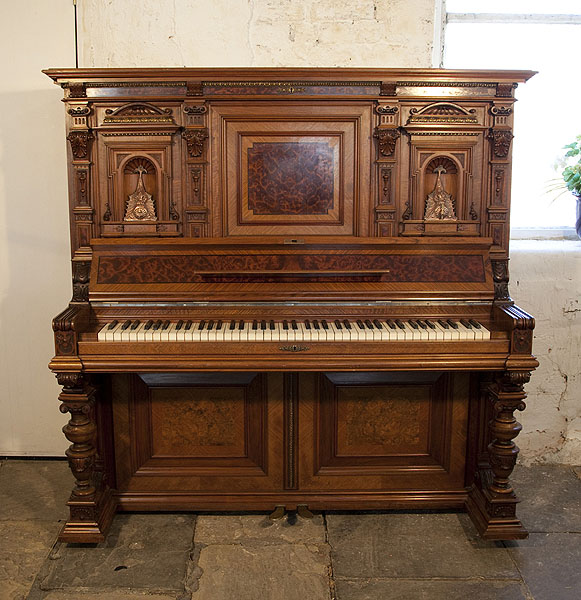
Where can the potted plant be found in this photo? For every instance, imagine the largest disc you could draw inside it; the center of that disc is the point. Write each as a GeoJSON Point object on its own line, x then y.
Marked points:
{"type": "Point", "coordinates": [571, 175]}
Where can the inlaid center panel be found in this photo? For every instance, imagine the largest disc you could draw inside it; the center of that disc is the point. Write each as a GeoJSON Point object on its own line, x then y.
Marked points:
{"type": "Point", "coordinates": [292, 170]}
{"type": "Point", "coordinates": [292, 178]}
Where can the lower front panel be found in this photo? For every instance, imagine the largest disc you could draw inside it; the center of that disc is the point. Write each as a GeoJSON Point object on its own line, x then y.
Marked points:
{"type": "Point", "coordinates": [243, 441]}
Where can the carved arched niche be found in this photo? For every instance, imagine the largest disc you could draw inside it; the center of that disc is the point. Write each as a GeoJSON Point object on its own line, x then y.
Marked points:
{"type": "Point", "coordinates": [447, 171]}
{"type": "Point", "coordinates": [140, 176]}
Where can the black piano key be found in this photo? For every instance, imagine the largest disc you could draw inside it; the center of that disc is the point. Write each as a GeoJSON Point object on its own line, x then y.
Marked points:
{"type": "Point", "coordinates": [148, 325]}
{"type": "Point", "coordinates": [294, 325]}
{"type": "Point", "coordinates": [112, 325]}
{"type": "Point", "coordinates": [422, 324]}
{"type": "Point", "coordinates": [188, 326]}
{"type": "Point", "coordinates": [241, 325]}
{"type": "Point", "coordinates": [219, 325]}
{"type": "Point", "coordinates": [360, 324]}
{"type": "Point", "coordinates": [368, 324]}
{"type": "Point", "coordinates": [307, 324]}
{"type": "Point", "coordinates": [391, 324]}
{"type": "Point", "coordinates": [135, 325]}
{"type": "Point", "coordinates": [263, 325]}
{"type": "Point", "coordinates": [475, 324]}
{"type": "Point", "coordinates": [430, 324]}
{"type": "Point", "coordinates": [338, 324]}
{"type": "Point", "coordinates": [325, 324]}
{"type": "Point", "coordinates": [285, 325]}
{"type": "Point", "coordinates": [126, 325]}
{"type": "Point", "coordinates": [201, 325]}
{"type": "Point", "coordinates": [210, 326]}
{"type": "Point", "coordinates": [413, 324]}
{"type": "Point", "coordinates": [316, 324]}
{"type": "Point", "coordinates": [452, 324]}
{"type": "Point", "coordinates": [466, 323]}
{"type": "Point", "coordinates": [399, 324]}
{"type": "Point", "coordinates": [254, 325]}
{"type": "Point", "coordinates": [271, 325]}
{"type": "Point", "coordinates": [156, 325]}
{"type": "Point", "coordinates": [165, 325]}
{"type": "Point", "coordinates": [347, 324]}
{"type": "Point", "coordinates": [377, 324]}
{"type": "Point", "coordinates": [232, 325]}
{"type": "Point", "coordinates": [443, 323]}
{"type": "Point", "coordinates": [179, 325]}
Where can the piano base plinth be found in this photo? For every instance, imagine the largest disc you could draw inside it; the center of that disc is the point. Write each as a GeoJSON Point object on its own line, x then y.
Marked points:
{"type": "Point", "coordinates": [90, 519]}
{"type": "Point", "coordinates": [494, 517]}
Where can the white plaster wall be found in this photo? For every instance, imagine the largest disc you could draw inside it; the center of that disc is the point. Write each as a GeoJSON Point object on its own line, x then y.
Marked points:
{"type": "Point", "coordinates": [546, 281]}
{"type": "Point", "coordinates": [34, 246]}
{"type": "Point", "coordinates": [256, 33]}
{"type": "Point", "coordinates": [34, 266]}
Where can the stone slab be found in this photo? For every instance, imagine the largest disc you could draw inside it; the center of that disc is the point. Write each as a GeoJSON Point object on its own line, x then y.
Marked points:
{"type": "Point", "coordinates": [24, 545]}
{"type": "Point", "coordinates": [142, 552]}
{"type": "Point", "coordinates": [414, 546]}
{"type": "Point", "coordinates": [106, 596]}
{"type": "Point", "coordinates": [551, 498]}
{"type": "Point", "coordinates": [226, 529]}
{"type": "Point", "coordinates": [34, 489]}
{"type": "Point", "coordinates": [403, 589]}
{"type": "Point", "coordinates": [252, 572]}
{"type": "Point", "coordinates": [550, 564]}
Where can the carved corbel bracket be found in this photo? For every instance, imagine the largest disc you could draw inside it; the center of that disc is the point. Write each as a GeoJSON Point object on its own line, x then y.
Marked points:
{"type": "Point", "coordinates": [501, 139]}
{"type": "Point", "coordinates": [500, 277]}
{"type": "Point", "coordinates": [195, 139]}
{"type": "Point", "coordinates": [521, 326]}
{"type": "Point", "coordinates": [387, 139]}
{"type": "Point", "coordinates": [80, 141]}
{"type": "Point", "coordinates": [66, 327]}
{"type": "Point", "coordinates": [81, 277]}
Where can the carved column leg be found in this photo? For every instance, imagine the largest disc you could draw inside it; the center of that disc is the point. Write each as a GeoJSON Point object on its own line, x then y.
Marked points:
{"type": "Point", "coordinates": [91, 504]}
{"type": "Point", "coordinates": [492, 502]}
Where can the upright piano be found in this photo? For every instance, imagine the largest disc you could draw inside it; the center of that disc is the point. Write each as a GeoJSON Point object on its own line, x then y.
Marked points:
{"type": "Point", "coordinates": [290, 292]}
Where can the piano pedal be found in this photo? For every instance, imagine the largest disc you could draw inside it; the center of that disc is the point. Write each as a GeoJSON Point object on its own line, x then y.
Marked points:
{"type": "Point", "coordinates": [278, 513]}
{"type": "Point", "coordinates": [304, 512]}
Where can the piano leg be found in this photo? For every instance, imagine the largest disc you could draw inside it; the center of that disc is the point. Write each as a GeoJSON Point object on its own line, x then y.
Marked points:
{"type": "Point", "coordinates": [492, 501]}
{"type": "Point", "coordinates": [92, 505]}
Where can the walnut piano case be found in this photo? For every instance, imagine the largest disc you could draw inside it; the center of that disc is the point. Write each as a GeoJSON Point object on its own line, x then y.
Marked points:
{"type": "Point", "coordinates": [290, 289]}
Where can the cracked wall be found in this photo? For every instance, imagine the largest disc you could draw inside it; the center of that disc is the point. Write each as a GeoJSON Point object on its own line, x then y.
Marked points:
{"type": "Point", "coordinates": [266, 33]}
{"type": "Point", "coordinates": [546, 281]}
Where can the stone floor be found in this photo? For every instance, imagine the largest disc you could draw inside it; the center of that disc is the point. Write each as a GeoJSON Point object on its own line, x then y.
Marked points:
{"type": "Point", "coordinates": [335, 556]}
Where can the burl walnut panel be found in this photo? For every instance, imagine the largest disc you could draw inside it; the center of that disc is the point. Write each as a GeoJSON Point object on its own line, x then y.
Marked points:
{"type": "Point", "coordinates": [384, 431]}
{"type": "Point", "coordinates": [294, 169]}
{"type": "Point", "coordinates": [195, 432]}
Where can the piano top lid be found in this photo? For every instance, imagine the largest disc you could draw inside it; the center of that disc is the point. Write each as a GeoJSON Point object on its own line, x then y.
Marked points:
{"type": "Point", "coordinates": [278, 269]}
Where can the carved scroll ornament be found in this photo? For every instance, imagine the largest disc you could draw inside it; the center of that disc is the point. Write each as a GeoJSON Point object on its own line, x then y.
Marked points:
{"type": "Point", "coordinates": [195, 139]}
{"type": "Point", "coordinates": [501, 139]}
{"type": "Point", "coordinates": [387, 139]}
{"type": "Point", "coordinates": [80, 143]}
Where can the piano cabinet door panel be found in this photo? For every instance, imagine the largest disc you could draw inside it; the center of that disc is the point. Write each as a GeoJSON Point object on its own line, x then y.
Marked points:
{"type": "Point", "coordinates": [196, 433]}
{"type": "Point", "coordinates": [383, 431]}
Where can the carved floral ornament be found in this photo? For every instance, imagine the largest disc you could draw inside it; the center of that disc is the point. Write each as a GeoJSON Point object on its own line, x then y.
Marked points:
{"type": "Point", "coordinates": [501, 139]}
{"type": "Point", "coordinates": [195, 139]}
{"type": "Point", "coordinates": [138, 112]}
{"type": "Point", "coordinates": [443, 112]}
{"type": "Point", "coordinates": [80, 143]}
{"type": "Point", "coordinates": [387, 140]}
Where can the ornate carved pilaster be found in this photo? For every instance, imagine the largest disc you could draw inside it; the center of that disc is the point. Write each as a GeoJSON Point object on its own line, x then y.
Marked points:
{"type": "Point", "coordinates": [78, 399]}
{"type": "Point", "coordinates": [91, 504]}
{"type": "Point", "coordinates": [507, 395]}
{"type": "Point", "coordinates": [500, 277]}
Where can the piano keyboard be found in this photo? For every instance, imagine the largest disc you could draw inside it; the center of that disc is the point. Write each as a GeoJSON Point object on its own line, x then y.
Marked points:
{"type": "Point", "coordinates": [314, 330]}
